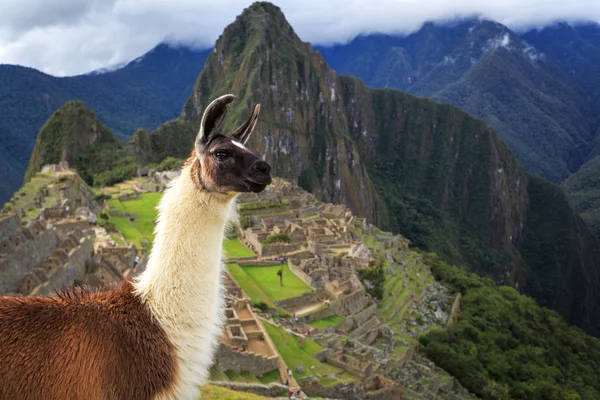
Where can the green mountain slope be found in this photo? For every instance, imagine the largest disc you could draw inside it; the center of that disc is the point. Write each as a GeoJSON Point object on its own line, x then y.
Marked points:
{"type": "Point", "coordinates": [74, 134]}
{"type": "Point", "coordinates": [583, 188]}
{"type": "Point", "coordinates": [427, 170]}
{"type": "Point", "coordinates": [145, 93]}
{"type": "Point", "coordinates": [505, 346]}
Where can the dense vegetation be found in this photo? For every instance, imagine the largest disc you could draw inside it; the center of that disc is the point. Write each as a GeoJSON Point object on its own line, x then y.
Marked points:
{"type": "Point", "coordinates": [583, 188]}
{"type": "Point", "coordinates": [145, 93]}
{"type": "Point", "coordinates": [505, 346]}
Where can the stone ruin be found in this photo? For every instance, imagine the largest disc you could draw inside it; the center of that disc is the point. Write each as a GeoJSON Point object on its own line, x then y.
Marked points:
{"type": "Point", "coordinates": [244, 345]}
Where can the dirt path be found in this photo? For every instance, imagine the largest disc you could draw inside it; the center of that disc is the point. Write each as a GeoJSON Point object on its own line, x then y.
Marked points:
{"type": "Point", "coordinates": [308, 308]}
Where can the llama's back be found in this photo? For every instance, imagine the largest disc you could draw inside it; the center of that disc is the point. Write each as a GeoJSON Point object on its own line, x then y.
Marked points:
{"type": "Point", "coordinates": [82, 345]}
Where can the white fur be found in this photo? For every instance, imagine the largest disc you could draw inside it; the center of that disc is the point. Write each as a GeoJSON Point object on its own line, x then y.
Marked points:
{"type": "Point", "coordinates": [238, 144]}
{"type": "Point", "coordinates": [182, 282]}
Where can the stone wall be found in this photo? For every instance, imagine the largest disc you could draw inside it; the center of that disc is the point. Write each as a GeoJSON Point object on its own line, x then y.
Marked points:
{"type": "Point", "coordinates": [227, 358]}
{"type": "Point", "coordinates": [270, 390]}
{"type": "Point", "coordinates": [406, 357]}
{"type": "Point", "coordinates": [364, 328]}
{"type": "Point", "coordinates": [277, 249]}
{"type": "Point", "coordinates": [381, 388]}
{"type": "Point", "coordinates": [60, 271]}
{"type": "Point", "coordinates": [363, 316]}
{"type": "Point", "coordinates": [257, 263]}
{"type": "Point", "coordinates": [70, 225]}
{"type": "Point", "coordinates": [57, 212]}
{"type": "Point", "coordinates": [303, 276]}
{"type": "Point", "coordinates": [121, 258]}
{"type": "Point", "coordinates": [76, 267]}
{"type": "Point", "coordinates": [346, 391]}
{"type": "Point", "coordinates": [353, 303]}
{"type": "Point", "coordinates": [24, 258]}
{"type": "Point", "coordinates": [350, 364]}
{"type": "Point", "coordinates": [8, 225]}
{"type": "Point", "coordinates": [322, 313]}
{"type": "Point", "coordinates": [295, 302]}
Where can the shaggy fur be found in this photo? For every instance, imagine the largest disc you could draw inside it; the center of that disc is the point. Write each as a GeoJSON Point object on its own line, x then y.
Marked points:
{"type": "Point", "coordinates": [182, 282]}
{"type": "Point", "coordinates": [83, 345]}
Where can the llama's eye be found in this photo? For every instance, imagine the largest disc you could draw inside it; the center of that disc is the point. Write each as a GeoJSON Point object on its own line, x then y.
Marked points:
{"type": "Point", "coordinates": [221, 155]}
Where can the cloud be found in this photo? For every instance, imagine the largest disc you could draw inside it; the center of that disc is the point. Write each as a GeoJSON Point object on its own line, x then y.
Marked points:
{"type": "Point", "coordinates": [68, 37]}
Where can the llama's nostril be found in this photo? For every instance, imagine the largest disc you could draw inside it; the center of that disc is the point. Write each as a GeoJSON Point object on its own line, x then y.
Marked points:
{"type": "Point", "coordinates": [263, 167]}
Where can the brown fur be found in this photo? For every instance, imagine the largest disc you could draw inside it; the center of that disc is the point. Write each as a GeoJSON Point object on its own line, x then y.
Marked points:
{"type": "Point", "coordinates": [82, 345]}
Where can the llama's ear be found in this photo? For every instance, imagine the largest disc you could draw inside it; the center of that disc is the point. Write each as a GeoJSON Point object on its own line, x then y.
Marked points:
{"type": "Point", "coordinates": [242, 134]}
{"type": "Point", "coordinates": [212, 118]}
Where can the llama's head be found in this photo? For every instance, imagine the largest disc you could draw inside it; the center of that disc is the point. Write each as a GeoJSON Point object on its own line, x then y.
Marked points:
{"type": "Point", "coordinates": [223, 164]}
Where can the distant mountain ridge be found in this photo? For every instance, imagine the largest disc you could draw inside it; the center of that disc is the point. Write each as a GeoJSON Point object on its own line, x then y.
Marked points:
{"type": "Point", "coordinates": [142, 94]}
{"type": "Point", "coordinates": [538, 89]}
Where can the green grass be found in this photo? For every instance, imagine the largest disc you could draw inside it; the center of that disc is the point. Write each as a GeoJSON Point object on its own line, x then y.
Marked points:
{"type": "Point", "coordinates": [327, 322]}
{"type": "Point", "coordinates": [236, 249]}
{"type": "Point", "coordinates": [211, 392]}
{"type": "Point", "coordinates": [295, 356]}
{"type": "Point", "coordinates": [117, 238]}
{"type": "Point", "coordinates": [267, 279]}
{"type": "Point", "coordinates": [271, 376]}
{"type": "Point", "coordinates": [130, 233]}
{"type": "Point", "coordinates": [249, 285]}
{"type": "Point", "coordinates": [144, 209]}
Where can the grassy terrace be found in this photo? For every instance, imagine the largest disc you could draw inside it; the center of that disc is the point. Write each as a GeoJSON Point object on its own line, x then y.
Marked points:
{"type": "Point", "coordinates": [267, 279]}
{"type": "Point", "coordinates": [327, 322]}
{"type": "Point", "coordinates": [295, 356]}
{"type": "Point", "coordinates": [144, 210]}
{"type": "Point", "coordinates": [211, 392]}
{"type": "Point", "coordinates": [234, 248]}
{"type": "Point", "coordinates": [249, 285]}
{"type": "Point", "coordinates": [232, 376]}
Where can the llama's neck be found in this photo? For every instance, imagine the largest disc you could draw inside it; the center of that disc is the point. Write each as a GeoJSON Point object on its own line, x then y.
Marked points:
{"type": "Point", "coordinates": [182, 281]}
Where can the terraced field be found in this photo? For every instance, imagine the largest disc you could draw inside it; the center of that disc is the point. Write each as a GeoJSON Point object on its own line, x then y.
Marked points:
{"type": "Point", "coordinates": [36, 194]}
{"type": "Point", "coordinates": [295, 355]}
{"type": "Point", "coordinates": [403, 287]}
{"type": "Point", "coordinates": [140, 230]}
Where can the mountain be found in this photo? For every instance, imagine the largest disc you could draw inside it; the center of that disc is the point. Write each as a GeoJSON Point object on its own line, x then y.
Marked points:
{"type": "Point", "coordinates": [539, 90]}
{"type": "Point", "coordinates": [144, 93]}
{"type": "Point", "coordinates": [583, 188]}
{"type": "Point", "coordinates": [427, 170]}
{"type": "Point", "coordinates": [75, 134]}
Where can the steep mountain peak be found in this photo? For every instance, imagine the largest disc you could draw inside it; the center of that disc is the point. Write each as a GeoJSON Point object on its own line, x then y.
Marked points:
{"type": "Point", "coordinates": [260, 59]}
{"type": "Point", "coordinates": [70, 130]}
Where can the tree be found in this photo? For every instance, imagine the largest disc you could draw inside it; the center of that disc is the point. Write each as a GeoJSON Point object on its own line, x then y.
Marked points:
{"type": "Point", "coordinates": [279, 241]}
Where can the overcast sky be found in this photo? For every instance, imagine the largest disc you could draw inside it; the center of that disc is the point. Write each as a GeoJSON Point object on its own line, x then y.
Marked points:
{"type": "Point", "coordinates": [68, 37]}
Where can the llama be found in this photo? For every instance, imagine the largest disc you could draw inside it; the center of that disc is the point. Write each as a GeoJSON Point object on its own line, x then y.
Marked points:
{"type": "Point", "coordinates": [152, 337]}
